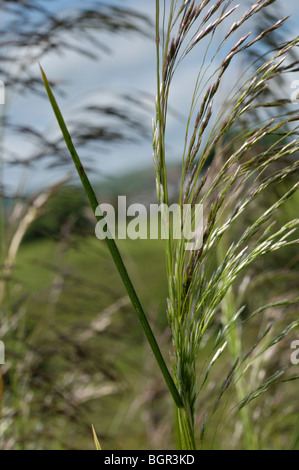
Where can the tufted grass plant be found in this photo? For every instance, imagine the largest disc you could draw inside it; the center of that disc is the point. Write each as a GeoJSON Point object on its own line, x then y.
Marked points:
{"type": "Point", "coordinates": [234, 152]}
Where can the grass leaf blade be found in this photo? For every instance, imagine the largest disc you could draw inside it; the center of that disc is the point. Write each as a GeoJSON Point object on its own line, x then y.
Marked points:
{"type": "Point", "coordinates": [113, 248]}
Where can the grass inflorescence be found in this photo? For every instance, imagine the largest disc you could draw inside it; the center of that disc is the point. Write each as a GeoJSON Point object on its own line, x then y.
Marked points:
{"type": "Point", "coordinates": [233, 153]}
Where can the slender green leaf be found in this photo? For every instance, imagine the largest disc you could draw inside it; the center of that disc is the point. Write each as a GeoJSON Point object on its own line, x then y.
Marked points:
{"type": "Point", "coordinates": [95, 438]}
{"type": "Point", "coordinates": [113, 248]}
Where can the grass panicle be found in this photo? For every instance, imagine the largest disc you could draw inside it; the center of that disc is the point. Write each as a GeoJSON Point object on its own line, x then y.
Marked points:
{"type": "Point", "coordinates": [240, 143]}
{"type": "Point", "coordinates": [228, 179]}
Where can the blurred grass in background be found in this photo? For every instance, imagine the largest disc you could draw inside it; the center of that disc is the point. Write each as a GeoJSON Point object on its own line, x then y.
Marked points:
{"type": "Point", "coordinates": [75, 354]}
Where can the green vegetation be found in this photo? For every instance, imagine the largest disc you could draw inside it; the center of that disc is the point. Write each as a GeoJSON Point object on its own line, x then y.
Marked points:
{"type": "Point", "coordinates": [92, 328]}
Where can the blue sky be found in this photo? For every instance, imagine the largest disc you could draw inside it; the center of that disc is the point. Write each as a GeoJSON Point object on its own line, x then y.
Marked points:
{"type": "Point", "coordinates": [130, 68]}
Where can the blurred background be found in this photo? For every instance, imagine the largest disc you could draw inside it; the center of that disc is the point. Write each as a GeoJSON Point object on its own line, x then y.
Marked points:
{"type": "Point", "coordinates": [75, 354]}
